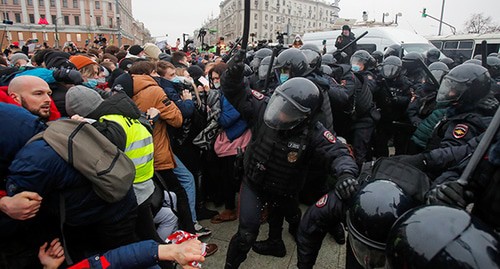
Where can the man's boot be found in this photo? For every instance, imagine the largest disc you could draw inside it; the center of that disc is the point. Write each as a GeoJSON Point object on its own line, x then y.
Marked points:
{"type": "Point", "coordinates": [270, 247]}
{"type": "Point", "coordinates": [202, 212]}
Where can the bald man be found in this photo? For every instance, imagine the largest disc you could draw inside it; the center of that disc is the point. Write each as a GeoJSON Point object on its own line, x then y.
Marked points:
{"type": "Point", "coordinates": [32, 93]}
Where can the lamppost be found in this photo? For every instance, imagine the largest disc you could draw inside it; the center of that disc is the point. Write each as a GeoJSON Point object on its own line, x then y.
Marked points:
{"type": "Point", "coordinates": [399, 14]}
{"type": "Point", "coordinates": [57, 32]}
{"type": "Point", "coordinates": [383, 17]}
{"type": "Point", "coordinates": [441, 20]}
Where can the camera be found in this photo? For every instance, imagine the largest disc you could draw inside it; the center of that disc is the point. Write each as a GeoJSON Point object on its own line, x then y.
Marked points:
{"type": "Point", "coordinates": [281, 37]}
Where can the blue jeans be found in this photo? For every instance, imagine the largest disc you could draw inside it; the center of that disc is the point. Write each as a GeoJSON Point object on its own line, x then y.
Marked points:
{"type": "Point", "coordinates": [187, 182]}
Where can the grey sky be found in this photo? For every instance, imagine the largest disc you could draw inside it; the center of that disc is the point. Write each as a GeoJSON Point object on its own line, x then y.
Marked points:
{"type": "Point", "coordinates": [176, 17]}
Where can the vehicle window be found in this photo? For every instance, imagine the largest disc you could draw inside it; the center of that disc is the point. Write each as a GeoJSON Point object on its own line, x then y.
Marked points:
{"type": "Point", "coordinates": [450, 44]}
{"type": "Point", "coordinates": [437, 44]}
{"type": "Point", "coordinates": [368, 47]}
{"type": "Point", "coordinates": [465, 45]}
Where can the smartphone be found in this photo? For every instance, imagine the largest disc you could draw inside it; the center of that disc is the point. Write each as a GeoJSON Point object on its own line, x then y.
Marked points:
{"type": "Point", "coordinates": [203, 81]}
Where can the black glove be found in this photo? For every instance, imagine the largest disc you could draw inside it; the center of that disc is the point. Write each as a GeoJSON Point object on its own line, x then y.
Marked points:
{"type": "Point", "coordinates": [346, 186]}
{"type": "Point", "coordinates": [418, 160]}
{"type": "Point", "coordinates": [449, 193]}
{"type": "Point", "coordinates": [233, 76]}
{"type": "Point", "coordinates": [70, 76]}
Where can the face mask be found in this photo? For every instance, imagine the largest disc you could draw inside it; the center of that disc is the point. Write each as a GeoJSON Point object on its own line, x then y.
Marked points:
{"type": "Point", "coordinates": [91, 83]}
{"type": "Point", "coordinates": [101, 80]}
{"type": "Point", "coordinates": [217, 85]}
{"type": "Point", "coordinates": [355, 68]}
{"type": "Point", "coordinates": [176, 80]}
{"type": "Point", "coordinates": [284, 77]}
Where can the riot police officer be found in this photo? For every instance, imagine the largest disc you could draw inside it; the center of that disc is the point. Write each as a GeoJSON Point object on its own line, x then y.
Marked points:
{"type": "Point", "coordinates": [285, 135]}
{"type": "Point", "coordinates": [432, 55]}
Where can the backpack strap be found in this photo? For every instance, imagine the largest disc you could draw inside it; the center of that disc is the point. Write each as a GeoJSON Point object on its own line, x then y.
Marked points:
{"type": "Point", "coordinates": [62, 219]}
{"type": "Point", "coordinates": [159, 179]}
{"type": "Point", "coordinates": [35, 137]}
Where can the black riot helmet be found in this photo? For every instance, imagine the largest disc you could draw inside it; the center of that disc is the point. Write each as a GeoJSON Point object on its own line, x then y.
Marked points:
{"type": "Point", "coordinates": [441, 237]}
{"type": "Point", "coordinates": [478, 57]}
{"type": "Point", "coordinates": [393, 50]}
{"type": "Point", "coordinates": [432, 55]}
{"type": "Point", "coordinates": [410, 61]}
{"type": "Point", "coordinates": [325, 69]}
{"type": "Point", "coordinates": [363, 59]}
{"type": "Point", "coordinates": [258, 56]}
{"type": "Point", "coordinates": [466, 83]}
{"type": "Point", "coordinates": [391, 67]}
{"type": "Point", "coordinates": [294, 61]}
{"type": "Point", "coordinates": [263, 67]}
{"type": "Point", "coordinates": [473, 61]}
{"type": "Point", "coordinates": [328, 59]}
{"type": "Point", "coordinates": [493, 66]}
{"type": "Point", "coordinates": [292, 103]}
{"type": "Point", "coordinates": [439, 70]}
{"type": "Point", "coordinates": [449, 62]}
{"type": "Point", "coordinates": [313, 55]}
{"type": "Point", "coordinates": [374, 210]}
{"type": "Point", "coordinates": [378, 56]}
{"type": "Point", "coordinates": [493, 54]}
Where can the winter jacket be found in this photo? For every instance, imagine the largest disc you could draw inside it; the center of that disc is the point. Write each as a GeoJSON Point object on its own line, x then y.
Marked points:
{"type": "Point", "coordinates": [424, 130]}
{"type": "Point", "coordinates": [147, 94]}
{"type": "Point", "coordinates": [185, 106]}
{"type": "Point", "coordinates": [230, 120]}
{"type": "Point", "coordinates": [5, 98]}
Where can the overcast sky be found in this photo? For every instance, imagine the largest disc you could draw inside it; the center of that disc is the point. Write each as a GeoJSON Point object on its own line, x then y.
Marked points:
{"type": "Point", "coordinates": [176, 17]}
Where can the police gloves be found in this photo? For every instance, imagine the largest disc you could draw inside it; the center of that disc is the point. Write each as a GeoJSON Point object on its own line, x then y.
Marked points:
{"type": "Point", "coordinates": [346, 186]}
{"type": "Point", "coordinates": [449, 193]}
{"type": "Point", "coordinates": [69, 76]}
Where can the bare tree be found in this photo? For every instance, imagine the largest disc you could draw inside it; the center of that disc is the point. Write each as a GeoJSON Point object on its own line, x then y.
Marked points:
{"type": "Point", "coordinates": [478, 23]}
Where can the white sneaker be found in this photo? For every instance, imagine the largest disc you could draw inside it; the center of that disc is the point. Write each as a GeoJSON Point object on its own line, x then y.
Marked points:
{"type": "Point", "coordinates": [200, 230]}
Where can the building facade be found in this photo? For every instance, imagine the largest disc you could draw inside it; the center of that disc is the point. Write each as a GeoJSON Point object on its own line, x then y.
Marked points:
{"type": "Point", "coordinates": [271, 16]}
{"type": "Point", "coordinates": [78, 21]}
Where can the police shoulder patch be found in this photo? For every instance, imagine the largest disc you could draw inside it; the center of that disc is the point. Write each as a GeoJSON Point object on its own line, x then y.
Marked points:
{"type": "Point", "coordinates": [330, 137]}
{"type": "Point", "coordinates": [257, 95]}
{"type": "Point", "coordinates": [322, 201]}
{"type": "Point", "coordinates": [460, 131]}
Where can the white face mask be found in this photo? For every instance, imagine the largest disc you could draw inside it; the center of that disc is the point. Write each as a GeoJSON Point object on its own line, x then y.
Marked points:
{"type": "Point", "coordinates": [217, 85]}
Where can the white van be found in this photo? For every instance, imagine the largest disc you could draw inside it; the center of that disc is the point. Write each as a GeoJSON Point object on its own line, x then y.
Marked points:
{"type": "Point", "coordinates": [464, 47]}
{"type": "Point", "coordinates": [378, 38]}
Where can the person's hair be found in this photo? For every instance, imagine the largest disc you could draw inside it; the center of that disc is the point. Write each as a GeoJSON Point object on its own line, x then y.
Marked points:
{"type": "Point", "coordinates": [93, 53]}
{"type": "Point", "coordinates": [125, 47]}
{"type": "Point", "coordinates": [142, 68]}
{"type": "Point", "coordinates": [109, 66]}
{"type": "Point", "coordinates": [112, 49]}
{"type": "Point", "coordinates": [39, 56]}
{"type": "Point", "coordinates": [88, 71]}
{"type": "Point", "coordinates": [208, 66]}
{"type": "Point", "coordinates": [162, 66]}
{"type": "Point", "coordinates": [3, 61]}
{"type": "Point", "coordinates": [121, 54]}
{"type": "Point", "coordinates": [177, 56]}
{"type": "Point", "coordinates": [180, 71]}
{"type": "Point", "coordinates": [109, 56]}
{"type": "Point", "coordinates": [218, 68]}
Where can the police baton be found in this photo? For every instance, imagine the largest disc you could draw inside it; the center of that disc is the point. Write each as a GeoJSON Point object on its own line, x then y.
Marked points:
{"type": "Point", "coordinates": [350, 43]}
{"type": "Point", "coordinates": [240, 56]}
{"type": "Point", "coordinates": [484, 54]}
{"type": "Point", "coordinates": [481, 149]}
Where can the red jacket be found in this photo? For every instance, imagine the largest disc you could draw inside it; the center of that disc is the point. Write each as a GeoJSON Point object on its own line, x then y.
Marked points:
{"type": "Point", "coordinates": [5, 98]}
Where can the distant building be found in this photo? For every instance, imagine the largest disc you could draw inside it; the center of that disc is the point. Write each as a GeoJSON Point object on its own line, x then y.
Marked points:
{"type": "Point", "coordinates": [271, 16]}
{"type": "Point", "coordinates": [78, 21]}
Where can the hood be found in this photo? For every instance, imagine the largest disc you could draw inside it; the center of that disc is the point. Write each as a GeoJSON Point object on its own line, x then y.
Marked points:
{"type": "Point", "coordinates": [119, 104]}
{"type": "Point", "coordinates": [142, 82]}
{"type": "Point", "coordinates": [18, 126]}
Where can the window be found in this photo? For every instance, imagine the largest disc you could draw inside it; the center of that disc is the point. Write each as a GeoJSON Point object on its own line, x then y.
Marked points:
{"type": "Point", "coordinates": [451, 45]}
{"type": "Point", "coordinates": [15, 2]}
{"type": "Point", "coordinates": [78, 37]}
{"type": "Point", "coordinates": [20, 36]}
{"type": "Point", "coordinates": [77, 20]}
{"type": "Point", "coordinates": [75, 3]}
{"type": "Point", "coordinates": [40, 3]}
{"type": "Point", "coordinates": [68, 37]}
{"type": "Point", "coordinates": [32, 18]}
{"type": "Point", "coordinates": [6, 16]}
{"type": "Point", "coordinates": [18, 17]}
{"type": "Point", "coordinates": [98, 21]}
{"type": "Point", "coordinates": [34, 36]}
{"type": "Point", "coordinates": [65, 3]}
{"type": "Point", "coordinates": [4, 2]}
{"type": "Point", "coordinates": [30, 2]}
{"type": "Point", "coordinates": [52, 3]}
{"type": "Point", "coordinates": [97, 5]}
{"type": "Point", "coordinates": [111, 22]}
{"type": "Point", "coordinates": [255, 17]}
{"type": "Point", "coordinates": [66, 20]}
{"type": "Point", "coordinates": [110, 6]}
{"type": "Point", "coordinates": [466, 45]}
{"type": "Point", "coordinates": [54, 21]}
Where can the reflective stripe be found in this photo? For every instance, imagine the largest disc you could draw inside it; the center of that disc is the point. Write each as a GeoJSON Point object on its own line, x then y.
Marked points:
{"type": "Point", "coordinates": [142, 160]}
{"type": "Point", "coordinates": [139, 144]}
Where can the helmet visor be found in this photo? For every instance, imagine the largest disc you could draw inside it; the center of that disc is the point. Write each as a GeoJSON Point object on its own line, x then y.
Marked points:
{"type": "Point", "coordinates": [283, 113]}
{"type": "Point", "coordinates": [438, 74]}
{"type": "Point", "coordinates": [367, 256]}
{"type": "Point", "coordinates": [390, 71]}
{"type": "Point", "coordinates": [254, 64]}
{"type": "Point", "coordinates": [450, 90]}
{"type": "Point", "coordinates": [263, 71]}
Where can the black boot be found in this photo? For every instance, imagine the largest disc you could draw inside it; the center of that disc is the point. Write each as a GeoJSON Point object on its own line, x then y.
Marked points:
{"type": "Point", "coordinates": [202, 212]}
{"type": "Point", "coordinates": [338, 233]}
{"type": "Point", "coordinates": [270, 247]}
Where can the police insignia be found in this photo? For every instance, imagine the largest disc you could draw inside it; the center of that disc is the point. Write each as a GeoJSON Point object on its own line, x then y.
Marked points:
{"type": "Point", "coordinates": [292, 156]}
{"type": "Point", "coordinates": [460, 131]}
{"type": "Point", "coordinates": [257, 95]}
{"type": "Point", "coordinates": [330, 137]}
{"type": "Point", "coordinates": [322, 202]}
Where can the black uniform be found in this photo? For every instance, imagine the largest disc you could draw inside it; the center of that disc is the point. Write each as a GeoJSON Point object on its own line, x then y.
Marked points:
{"type": "Point", "coordinates": [275, 163]}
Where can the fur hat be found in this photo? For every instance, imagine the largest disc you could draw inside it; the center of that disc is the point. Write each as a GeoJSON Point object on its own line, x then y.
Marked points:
{"type": "Point", "coordinates": [152, 51]}
{"type": "Point", "coordinates": [17, 57]}
{"type": "Point", "coordinates": [135, 50]}
{"type": "Point", "coordinates": [82, 100]}
{"type": "Point", "coordinates": [80, 61]}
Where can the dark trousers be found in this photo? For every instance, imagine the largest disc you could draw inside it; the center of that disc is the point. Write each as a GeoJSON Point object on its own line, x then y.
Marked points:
{"type": "Point", "coordinates": [251, 206]}
{"type": "Point", "coordinates": [230, 183]}
{"type": "Point", "coordinates": [183, 212]}
{"type": "Point", "coordinates": [384, 132]}
{"type": "Point", "coordinates": [361, 143]}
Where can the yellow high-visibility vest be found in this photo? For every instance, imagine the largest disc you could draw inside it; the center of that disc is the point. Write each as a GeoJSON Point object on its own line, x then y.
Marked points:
{"type": "Point", "coordinates": [139, 146]}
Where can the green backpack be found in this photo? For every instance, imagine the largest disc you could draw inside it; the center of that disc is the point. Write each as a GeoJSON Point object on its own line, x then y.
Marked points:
{"type": "Point", "coordinates": [81, 145]}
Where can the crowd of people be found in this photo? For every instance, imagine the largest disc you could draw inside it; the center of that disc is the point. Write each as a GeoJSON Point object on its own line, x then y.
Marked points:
{"type": "Point", "coordinates": [199, 129]}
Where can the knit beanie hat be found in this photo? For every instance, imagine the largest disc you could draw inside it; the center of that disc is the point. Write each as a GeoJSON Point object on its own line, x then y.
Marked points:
{"type": "Point", "coordinates": [125, 83]}
{"type": "Point", "coordinates": [17, 57]}
{"type": "Point", "coordinates": [135, 50]}
{"type": "Point", "coordinates": [80, 61]}
{"type": "Point", "coordinates": [152, 51]}
{"type": "Point", "coordinates": [82, 100]}
{"type": "Point", "coordinates": [195, 71]}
